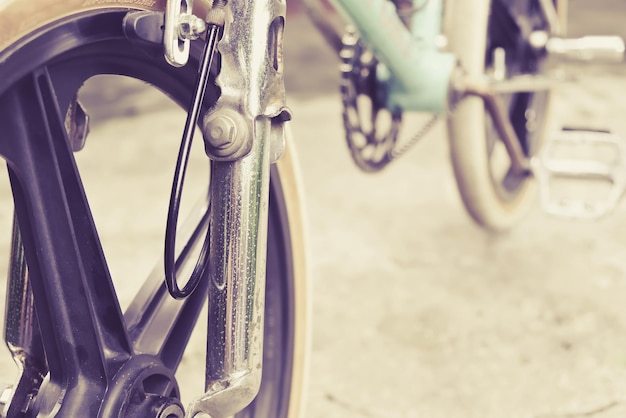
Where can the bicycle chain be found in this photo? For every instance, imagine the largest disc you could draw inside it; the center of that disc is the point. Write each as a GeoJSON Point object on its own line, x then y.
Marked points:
{"type": "Point", "coordinates": [370, 149]}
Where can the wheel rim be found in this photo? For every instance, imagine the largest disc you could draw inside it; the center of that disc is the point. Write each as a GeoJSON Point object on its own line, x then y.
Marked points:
{"type": "Point", "coordinates": [93, 44]}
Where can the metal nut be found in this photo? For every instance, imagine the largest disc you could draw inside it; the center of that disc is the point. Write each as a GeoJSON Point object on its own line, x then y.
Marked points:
{"type": "Point", "coordinates": [225, 131]}
{"type": "Point", "coordinates": [221, 132]}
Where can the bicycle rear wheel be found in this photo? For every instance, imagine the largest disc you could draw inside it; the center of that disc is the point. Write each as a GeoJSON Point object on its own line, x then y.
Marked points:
{"type": "Point", "coordinates": [96, 360]}
{"type": "Point", "coordinates": [494, 196]}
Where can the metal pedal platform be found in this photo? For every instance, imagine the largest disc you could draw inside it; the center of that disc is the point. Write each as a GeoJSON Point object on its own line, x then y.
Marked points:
{"type": "Point", "coordinates": [581, 173]}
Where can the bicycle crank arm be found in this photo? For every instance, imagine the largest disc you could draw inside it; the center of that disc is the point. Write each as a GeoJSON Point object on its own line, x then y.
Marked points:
{"type": "Point", "coordinates": [525, 83]}
{"type": "Point", "coordinates": [464, 86]}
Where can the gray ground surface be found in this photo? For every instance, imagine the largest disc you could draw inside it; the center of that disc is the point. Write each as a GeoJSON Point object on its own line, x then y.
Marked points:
{"type": "Point", "coordinates": [417, 312]}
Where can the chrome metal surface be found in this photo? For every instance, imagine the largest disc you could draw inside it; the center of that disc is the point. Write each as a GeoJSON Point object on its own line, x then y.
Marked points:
{"type": "Point", "coordinates": [600, 49]}
{"type": "Point", "coordinates": [278, 135]}
{"type": "Point", "coordinates": [251, 84]}
{"type": "Point", "coordinates": [190, 27]}
{"type": "Point", "coordinates": [176, 49]}
{"type": "Point", "coordinates": [499, 64]}
{"type": "Point", "coordinates": [581, 156]}
{"type": "Point", "coordinates": [237, 279]}
{"type": "Point", "coordinates": [225, 131]}
{"type": "Point", "coordinates": [251, 76]}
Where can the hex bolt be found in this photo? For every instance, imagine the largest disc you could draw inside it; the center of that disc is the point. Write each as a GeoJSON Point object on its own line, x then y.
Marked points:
{"type": "Point", "coordinates": [225, 132]}
{"type": "Point", "coordinates": [221, 131]}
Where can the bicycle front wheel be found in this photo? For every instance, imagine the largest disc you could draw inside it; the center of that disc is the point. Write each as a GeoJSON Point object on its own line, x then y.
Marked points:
{"type": "Point", "coordinates": [85, 356]}
{"type": "Point", "coordinates": [491, 37]}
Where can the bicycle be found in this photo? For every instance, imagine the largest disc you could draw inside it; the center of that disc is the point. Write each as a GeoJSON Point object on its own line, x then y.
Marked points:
{"type": "Point", "coordinates": [62, 305]}
{"type": "Point", "coordinates": [486, 67]}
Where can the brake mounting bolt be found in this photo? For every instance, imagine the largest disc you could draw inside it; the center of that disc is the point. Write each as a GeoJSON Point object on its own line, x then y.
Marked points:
{"type": "Point", "coordinates": [225, 131]}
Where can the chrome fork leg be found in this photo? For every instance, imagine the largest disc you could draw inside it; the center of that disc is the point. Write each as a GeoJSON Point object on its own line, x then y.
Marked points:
{"type": "Point", "coordinates": [237, 281]}
{"type": "Point", "coordinates": [243, 135]}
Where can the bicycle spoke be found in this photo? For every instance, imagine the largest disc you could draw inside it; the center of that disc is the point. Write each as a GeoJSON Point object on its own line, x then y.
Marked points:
{"type": "Point", "coordinates": [157, 323]}
{"type": "Point", "coordinates": [81, 323]}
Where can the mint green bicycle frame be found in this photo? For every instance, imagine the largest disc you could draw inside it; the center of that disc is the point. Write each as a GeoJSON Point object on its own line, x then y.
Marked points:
{"type": "Point", "coordinates": [416, 73]}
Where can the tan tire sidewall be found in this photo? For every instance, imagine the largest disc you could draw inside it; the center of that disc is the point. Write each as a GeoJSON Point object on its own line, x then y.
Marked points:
{"type": "Point", "coordinates": [466, 29]}
{"type": "Point", "coordinates": [289, 178]}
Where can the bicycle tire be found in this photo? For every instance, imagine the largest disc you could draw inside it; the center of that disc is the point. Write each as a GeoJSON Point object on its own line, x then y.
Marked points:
{"type": "Point", "coordinates": [494, 203]}
{"type": "Point", "coordinates": [46, 34]}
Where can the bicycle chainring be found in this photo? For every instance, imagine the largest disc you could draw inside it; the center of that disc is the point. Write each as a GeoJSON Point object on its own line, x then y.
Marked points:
{"type": "Point", "coordinates": [371, 129]}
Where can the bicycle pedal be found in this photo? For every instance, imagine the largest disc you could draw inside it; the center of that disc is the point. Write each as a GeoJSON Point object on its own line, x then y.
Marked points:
{"type": "Point", "coordinates": [581, 173]}
{"type": "Point", "coordinates": [598, 49]}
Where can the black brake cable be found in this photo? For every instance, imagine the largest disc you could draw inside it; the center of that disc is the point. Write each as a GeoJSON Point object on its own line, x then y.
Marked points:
{"type": "Point", "coordinates": [213, 34]}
